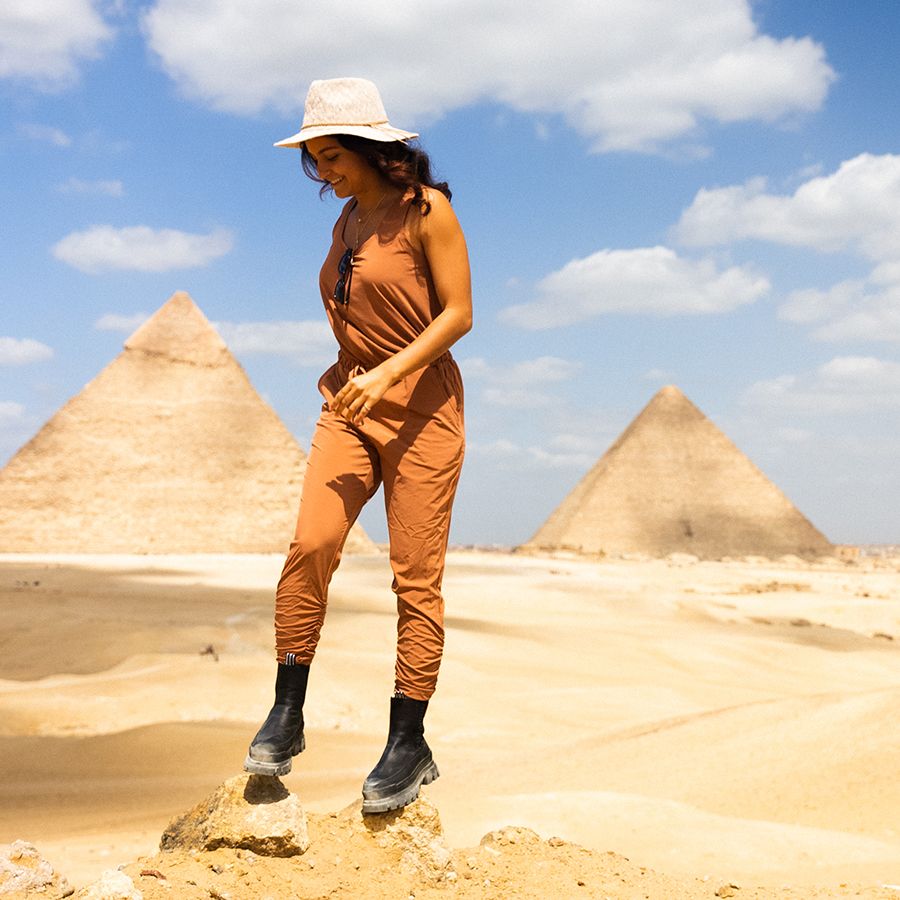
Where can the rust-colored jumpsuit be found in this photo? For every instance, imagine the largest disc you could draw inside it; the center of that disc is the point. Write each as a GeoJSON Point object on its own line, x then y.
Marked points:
{"type": "Point", "coordinates": [412, 441]}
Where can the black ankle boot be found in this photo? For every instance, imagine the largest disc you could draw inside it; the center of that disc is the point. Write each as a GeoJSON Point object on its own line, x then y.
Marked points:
{"type": "Point", "coordinates": [281, 735]}
{"type": "Point", "coordinates": [406, 763]}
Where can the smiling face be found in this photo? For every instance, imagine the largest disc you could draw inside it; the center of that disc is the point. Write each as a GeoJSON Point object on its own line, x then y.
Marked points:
{"type": "Point", "coordinates": [348, 173]}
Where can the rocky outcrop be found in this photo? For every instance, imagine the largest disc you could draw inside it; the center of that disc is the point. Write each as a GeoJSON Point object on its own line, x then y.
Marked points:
{"type": "Point", "coordinates": [23, 871]}
{"type": "Point", "coordinates": [250, 812]}
{"type": "Point", "coordinates": [416, 833]}
{"type": "Point", "coordinates": [229, 846]}
{"type": "Point", "coordinates": [112, 885]}
{"type": "Point", "coordinates": [402, 854]}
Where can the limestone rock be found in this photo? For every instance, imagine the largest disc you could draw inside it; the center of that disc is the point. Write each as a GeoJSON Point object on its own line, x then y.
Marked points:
{"type": "Point", "coordinates": [23, 871]}
{"type": "Point", "coordinates": [682, 559]}
{"type": "Point", "coordinates": [791, 559]}
{"type": "Point", "coordinates": [515, 834]}
{"type": "Point", "coordinates": [112, 885]}
{"type": "Point", "coordinates": [416, 833]}
{"type": "Point", "coordinates": [252, 812]}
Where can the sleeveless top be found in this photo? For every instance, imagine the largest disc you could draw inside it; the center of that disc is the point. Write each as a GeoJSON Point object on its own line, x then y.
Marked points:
{"type": "Point", "coordinates": [391, 300]}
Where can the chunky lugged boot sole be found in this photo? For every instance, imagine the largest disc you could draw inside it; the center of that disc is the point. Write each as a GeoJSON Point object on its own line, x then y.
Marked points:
{"type": "Point", "coordinates": [278, 767]}
{"type": "Point", "coordinates": [402, 797]}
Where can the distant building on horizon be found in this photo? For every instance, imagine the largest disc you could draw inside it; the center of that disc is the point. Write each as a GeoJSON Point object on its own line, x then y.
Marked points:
{"type": "Point", "coordinates": [169, 449]}
{"type": "Point", "coordinates": [674, 483]}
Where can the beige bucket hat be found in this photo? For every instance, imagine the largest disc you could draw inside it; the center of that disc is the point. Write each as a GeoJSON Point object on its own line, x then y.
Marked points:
{"type": "Point", "coordinates": [345, 106]}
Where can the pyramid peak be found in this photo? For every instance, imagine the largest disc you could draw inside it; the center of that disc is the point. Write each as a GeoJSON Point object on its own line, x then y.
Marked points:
{"type": "Point", "coordinates": [179, 331]}
{"type": "Point", "coordinates": [668, 401]}
{"type": "Point", "coordinates": [669, 395]}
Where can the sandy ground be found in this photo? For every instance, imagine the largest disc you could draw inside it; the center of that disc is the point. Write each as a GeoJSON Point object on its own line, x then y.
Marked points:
{"type": "Point", "coordinates": [714, 723]}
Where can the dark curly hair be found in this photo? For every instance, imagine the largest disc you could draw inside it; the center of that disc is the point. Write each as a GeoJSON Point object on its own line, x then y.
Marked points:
{"type": "Point", "coordinates": [403, 164]}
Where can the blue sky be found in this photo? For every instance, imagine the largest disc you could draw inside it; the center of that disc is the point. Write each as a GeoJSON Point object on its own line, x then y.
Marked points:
{"type": "Point", "coordinates": [704, 194]}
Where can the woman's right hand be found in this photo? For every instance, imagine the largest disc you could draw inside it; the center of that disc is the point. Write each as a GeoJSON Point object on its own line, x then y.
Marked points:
{"type": "Point", "coordinates": [356, 399]}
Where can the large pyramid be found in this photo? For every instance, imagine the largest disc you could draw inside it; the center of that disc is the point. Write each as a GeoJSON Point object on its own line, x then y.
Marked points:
{"type": "Point", "coordinates": [168, 450]}
{"type": "Point", "coordinates": [673, 482]}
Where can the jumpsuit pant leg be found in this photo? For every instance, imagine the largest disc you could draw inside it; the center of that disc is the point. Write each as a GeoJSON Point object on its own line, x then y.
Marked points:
{"type": "Point", "coordinates": [342, 472]}
{"type": "Point", "coordinates": [421, 468]}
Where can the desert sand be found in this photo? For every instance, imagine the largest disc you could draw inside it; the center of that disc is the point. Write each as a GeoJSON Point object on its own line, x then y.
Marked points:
{"type": "Point", "coordinates": [691, 725]}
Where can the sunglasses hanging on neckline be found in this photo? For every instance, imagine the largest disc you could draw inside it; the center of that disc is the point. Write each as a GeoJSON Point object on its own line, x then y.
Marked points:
{"type": "Point", "coordinates": [341, 293]}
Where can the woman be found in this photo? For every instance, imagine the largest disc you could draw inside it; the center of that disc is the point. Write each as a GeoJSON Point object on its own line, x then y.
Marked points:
{"type": "Point", "coordinates": [396, 289]}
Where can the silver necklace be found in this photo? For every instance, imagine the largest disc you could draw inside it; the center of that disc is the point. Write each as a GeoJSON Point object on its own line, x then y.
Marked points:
{"type": "Point", "coordinates": [361, 223]}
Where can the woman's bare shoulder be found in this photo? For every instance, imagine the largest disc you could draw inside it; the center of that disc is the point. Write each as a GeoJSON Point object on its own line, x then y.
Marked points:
{"type": "Point", "coordinates": [432, 218]}
{"type": "Point", "coordinates": [434, 196]}
{"type": "Point", "coordinates": [439, 213]}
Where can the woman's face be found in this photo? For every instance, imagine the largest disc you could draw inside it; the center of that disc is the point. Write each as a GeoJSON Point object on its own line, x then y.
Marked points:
{"type": "Point", "coordinates": [348, 173]}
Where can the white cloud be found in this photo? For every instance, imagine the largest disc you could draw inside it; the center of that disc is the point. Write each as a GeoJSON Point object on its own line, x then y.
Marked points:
{"type": "Point", "coordinates": [47, 134]}
{"type": "Point", "coordinates": [812, 305]}
{"type": "Point", "coordinates": [519, 385]}
{"type": "Point", "coordinates": [811, 171]}
{"type": "Point", "coordinates": [112, 188]}
{"type": "Point", "coordinates": [853, 310]}
{"type": "Point", "coordinates": [628, 74]}
{"type": "Point", "coordinates": [309, 343]}
{"type": "Point", "coordinates": [576, 443]}
{"type": "Point", "coordinates": [44, 41]}
{"type": "Point", "coordinates": [845, 384]}
{"type": "Point", "coordinates": [502, 448]}
{"type": "Point", "coordinates": [22, 351]}
{"type": "Point", "coordinates": [525, 373]}
{"type": "Point", "coordinates": [141, 249]}
{"type": "Point", "coordinates": [516, 397]}
{"type": "Point", "coordinates": [116, 322]}
{"type": "Point", "coordinates": [646, 280]}
{"type": "Point", "coordinates": [856, 208]}
{"type": "Point", "coordinates": [520, 456]}
{"type": "Point", "coordinates": [11, 412]}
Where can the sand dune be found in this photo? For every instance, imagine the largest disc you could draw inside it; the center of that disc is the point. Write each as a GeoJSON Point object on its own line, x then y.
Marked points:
{"type": "Point", "coordinates": [667, 711]}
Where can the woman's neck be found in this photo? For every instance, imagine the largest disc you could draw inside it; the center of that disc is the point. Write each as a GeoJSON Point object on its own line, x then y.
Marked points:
{"type": "Point", "coordinates": [368, 200]}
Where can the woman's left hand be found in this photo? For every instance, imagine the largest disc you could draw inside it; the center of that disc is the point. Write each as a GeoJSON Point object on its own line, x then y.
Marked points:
{"type": "Point", "coordinates": [355, 400]}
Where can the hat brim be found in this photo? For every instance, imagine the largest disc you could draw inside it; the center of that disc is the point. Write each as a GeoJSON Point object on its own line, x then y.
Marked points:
{"type": "Point", "coordinates": [372, 132]}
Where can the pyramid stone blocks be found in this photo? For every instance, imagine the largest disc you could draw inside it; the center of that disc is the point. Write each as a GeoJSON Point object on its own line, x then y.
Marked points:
{"type": "Point", "coordinates": [674, 483]}
{"type": "Point", "coordinates": [168, 450]}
